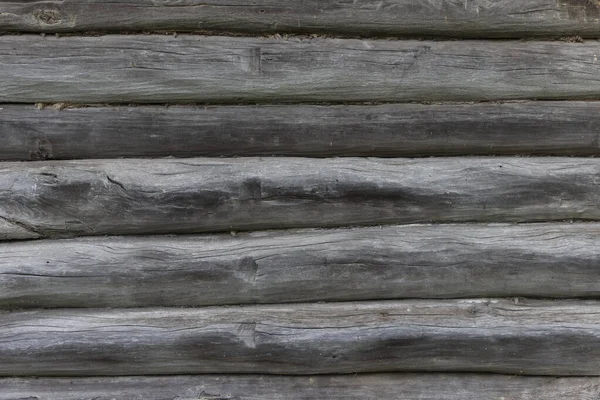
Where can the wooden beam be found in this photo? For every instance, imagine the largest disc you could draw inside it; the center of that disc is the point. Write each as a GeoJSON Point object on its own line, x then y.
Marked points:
{"type": "Point", "coordinates": [189, 68]}
{"type": "Point", "coordinates": [475, 18]}
{"type": "Point", "coordinates": [551, 128]}
{"type": "Point", "coordinates": [438, 261]}
{"type": "Point", "coordinates": [87, 197]}
{"type": "Point", "coordinates": [496, 336]}
{"type": "Point", "coordinates": [327, 387]}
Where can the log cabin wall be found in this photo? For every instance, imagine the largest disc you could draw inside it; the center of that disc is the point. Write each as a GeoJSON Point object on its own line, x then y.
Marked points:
{"type": "Point", "coordinates": [319, 199]}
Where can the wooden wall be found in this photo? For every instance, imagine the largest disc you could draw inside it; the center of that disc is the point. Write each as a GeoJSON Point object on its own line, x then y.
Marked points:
{"type": "Point", "coordinates": [331, 199]}
{"type": "Point", "coordinates": [438, 18]}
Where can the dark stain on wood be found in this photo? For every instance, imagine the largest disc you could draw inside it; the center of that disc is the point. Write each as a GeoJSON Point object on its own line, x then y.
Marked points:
{"type": "Point", "coordinates": [437, 261]}
{"type": "Point", "coordinates": [551, 128]}
{"type": "Point", "coordinates": [168, 196]}
{"type": "Point", "coordinates": [439, 18]}
{"type": "Point", "coordinates": [532, 337]}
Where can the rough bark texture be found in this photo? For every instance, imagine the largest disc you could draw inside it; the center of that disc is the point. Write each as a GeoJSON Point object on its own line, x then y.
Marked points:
{"type": "Point", "coordinates": [474, 18]}
{"type": "Point", "coordinates": [531, 337]}
{"type": "Point", "coordinates": [552, 128]}
{"type": "Point", "coordinates": [188, 68]}
{"type": "Point", "coordinates": [541, 260]}
{"type": "Point", "coordinates": [75, 198]}
{"type": "Point", "coordinates": [328, 387]}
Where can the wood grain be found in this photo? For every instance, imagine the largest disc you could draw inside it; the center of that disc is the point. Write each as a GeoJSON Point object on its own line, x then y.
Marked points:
{"type": "Point", "coordinates": [200, 69]}
{"type": "Point", "coordinates": [474, 18]}
{"type": "Point", "coordinates": [399, 386]}
{"type": "Point", "coordinates": [499, 336]}
{"type": "Point", "coordinates": [88, 197]}
{"type": "Point", "coordinates": [392, 130]}
{"type": "Point", "coordinates": [417, 261]}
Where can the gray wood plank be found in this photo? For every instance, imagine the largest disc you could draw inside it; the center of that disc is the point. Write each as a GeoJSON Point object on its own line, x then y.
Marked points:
{"type": "Point", "coordinates": [544, 127]}
{"type": "Point", "coordinates": [190, 68]}
{"type": "Point", "coordinates": [133, 196]}
{"type": "Point", "coordinates": [473, 18]}
{"type": "Point", "coordinates": [496, 336]}
{"type": "Point", "coordinates": [417, 261]}
{"type": "Point", "coordinates": [399, 386]}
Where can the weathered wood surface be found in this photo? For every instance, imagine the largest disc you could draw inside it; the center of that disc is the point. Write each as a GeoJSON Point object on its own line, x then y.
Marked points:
{"type": "Point", "coordinates": [551, 128]}
{"type": "Point", "coordinates": [531, 338]}
{"type": "Point", "coordinates": [443, 261]}
{"type": "Point", "coordinates": [398, 386]}
{"type": "Point", "coordinates": [475, 18]}
{"type": "Point", "coordinates": [189, 68]}
{"type": "Point", "coordinates": [99, 197]}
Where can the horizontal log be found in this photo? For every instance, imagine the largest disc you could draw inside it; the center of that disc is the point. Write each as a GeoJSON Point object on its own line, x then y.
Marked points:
{"type": "Point", "coordinates": [87, 197]}
{"type": "Point", "coordinates": [475, 18]}
{"type": "Point", "coordinates": [443, 261]}
{"type": "Point", "coordinates": [494, 336]}
{"type": "Point", "coordinates": [551, 128]}
{"type": "Point", "coordinates": [189, 68]}
{"type": "Point", "coordinates": [405, 386]}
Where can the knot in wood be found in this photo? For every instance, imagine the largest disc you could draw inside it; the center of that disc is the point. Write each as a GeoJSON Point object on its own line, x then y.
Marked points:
{"type": "Point", "coordinates": [44, 149]}
{"type": "Point", "coordinates": [47, 17]}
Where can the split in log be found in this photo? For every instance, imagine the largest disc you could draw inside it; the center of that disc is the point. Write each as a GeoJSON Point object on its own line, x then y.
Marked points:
{"type": "Point", "coordinates": [325, 387]}
{"type": "Point", "coordinates": [398, 130]}
{"type": "Point", "coordinates": [439, 261]}
{"type": "Point", "coordinates": [494, 336]}
{"type": "Point", "coordinates": [474, 18]}
{"type": "Point", "coordinates": [189, 68]}
{"type": "Point", "coordinates": [102, 197]}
